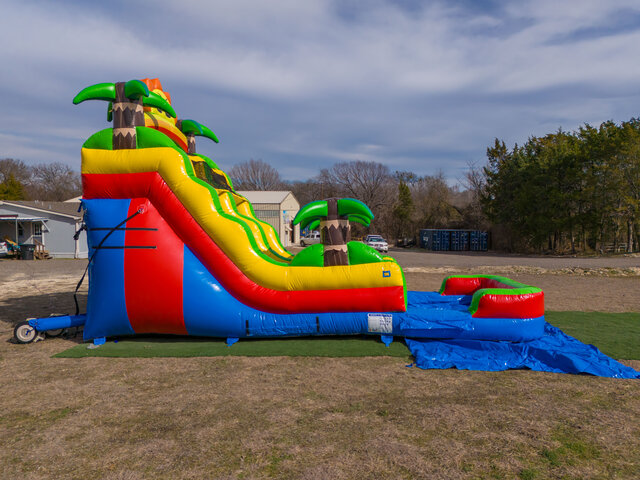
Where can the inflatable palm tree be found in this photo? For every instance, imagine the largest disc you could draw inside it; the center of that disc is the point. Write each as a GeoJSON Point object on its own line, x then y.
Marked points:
{"type": "Point", "coordinates": [332, 216]}
{"type": "Point", "coordinates": [191, 128]}
{"type": "Point", "coordinates": [128, 100]}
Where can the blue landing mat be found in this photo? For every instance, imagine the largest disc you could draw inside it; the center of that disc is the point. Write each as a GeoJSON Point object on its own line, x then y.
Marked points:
{"type": "Point", "coordinates": [554, 352]}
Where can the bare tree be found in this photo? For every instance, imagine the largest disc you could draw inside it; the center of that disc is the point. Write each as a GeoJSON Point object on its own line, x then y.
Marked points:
{"type": "Point", "coordinates": [475, 183]}
{"type": "Point", "coordinates": [308, 191]}
{"type": "Point", "coordinates": [256, 175]}
{"type": "Point", "coordinates": [433, 202]}
{"type": "Point", "coordinates": [16, 168]}
{"type": "Point", "coordinates": [369, 182]}
{"type": "Point", "coordinates": [54, 181]}
{"type": "Point", "coordinates": [46, 181]}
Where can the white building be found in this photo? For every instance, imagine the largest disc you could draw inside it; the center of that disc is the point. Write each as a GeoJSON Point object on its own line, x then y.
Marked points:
{"type": "Point", "coordinates": [53, 224]}
{"type": "Point", "coordinates": [278, 209]}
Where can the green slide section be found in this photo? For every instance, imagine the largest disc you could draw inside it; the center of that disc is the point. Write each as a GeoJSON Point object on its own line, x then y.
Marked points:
{"type": "Point", "coordinates": [204, 166]}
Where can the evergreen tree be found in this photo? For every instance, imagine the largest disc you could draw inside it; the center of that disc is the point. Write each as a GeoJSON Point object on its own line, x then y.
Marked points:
{"type": "Point", "coordinates": [11, 189]}
{"type": "Point", "coordinates": [403, 210]}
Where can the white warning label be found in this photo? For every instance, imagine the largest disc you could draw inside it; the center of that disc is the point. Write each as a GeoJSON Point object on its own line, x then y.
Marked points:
{"type": "Point", "coordinates": [380, 322]}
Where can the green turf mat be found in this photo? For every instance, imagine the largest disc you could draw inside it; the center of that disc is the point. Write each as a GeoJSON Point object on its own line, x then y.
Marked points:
{"type": "Point", "coordinates": [165, 346]}
{"type": "Point", "coordinates": [615, 334]}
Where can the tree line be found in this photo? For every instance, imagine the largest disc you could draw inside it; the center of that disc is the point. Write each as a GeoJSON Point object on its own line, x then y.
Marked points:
{"type": "Point", "coordinates": [562, 192]}
{"type": "Point", "coordinates": [402, 202]}
{"type": "Point", "coordinates": [566, 192]}
{"type": "Point", "coordinates": [47, 181]}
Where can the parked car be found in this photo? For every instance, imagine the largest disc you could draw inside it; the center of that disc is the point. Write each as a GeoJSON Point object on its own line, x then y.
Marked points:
{"type": "Point", "coordinates": [377, 242]}
{"type": "Point", "coordinates": [312, 238]}
{"type": "Point", "coordinates": [4, 250]}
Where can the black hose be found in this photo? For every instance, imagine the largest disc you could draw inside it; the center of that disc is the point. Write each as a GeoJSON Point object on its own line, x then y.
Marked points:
{"type": "Point", "coordinates": [95, 250]}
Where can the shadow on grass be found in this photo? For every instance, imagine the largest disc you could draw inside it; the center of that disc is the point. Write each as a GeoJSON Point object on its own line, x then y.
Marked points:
{"type": "Point", "coordinates": [15, 309]}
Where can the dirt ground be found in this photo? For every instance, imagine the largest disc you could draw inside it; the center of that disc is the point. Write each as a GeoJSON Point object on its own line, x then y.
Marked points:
{"type": "Point", "coordinates": [607, 284]}
{"type": "Point", "coordinates": [314, 418]}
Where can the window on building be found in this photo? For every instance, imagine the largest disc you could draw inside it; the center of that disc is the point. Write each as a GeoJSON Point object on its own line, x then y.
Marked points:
{"type": "Point", "coordinates": [20, 230]}
{"type": "Point", "coordinates": [37, 229]}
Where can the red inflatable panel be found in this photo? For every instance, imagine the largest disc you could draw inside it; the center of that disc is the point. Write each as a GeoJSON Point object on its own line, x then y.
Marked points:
{"type": "Point", "coordinates": [152, 186]}
{"type": "Point", "coordinates": [152, 276]}
{"type": "Point", "coordinates": [526, 305]}
{"type": "Point", "coordinates": [497, 297]}
{"type": "Point", "coordinates": [468, 285]}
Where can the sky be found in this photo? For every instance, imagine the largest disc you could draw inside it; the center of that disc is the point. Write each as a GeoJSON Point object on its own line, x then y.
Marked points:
{"type": "Point", "coordinates": [418, 86]}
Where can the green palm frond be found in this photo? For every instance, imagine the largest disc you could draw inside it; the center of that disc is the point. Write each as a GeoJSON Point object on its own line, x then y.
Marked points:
{"type": "Point", "coordinates": [134, 89]}
{"type": "Point", "coordinates": [356, 210]}
{"type": "Point", "coordinates": [310, 213]}
{"type": "Point", "coordinates": [156, 101]}
{"type": "Point", "coordinates": [206, 132]}
{"type": "Point", "coordinates": [100, 91]}
{"type": "Point", "coordinates": [190, 127]}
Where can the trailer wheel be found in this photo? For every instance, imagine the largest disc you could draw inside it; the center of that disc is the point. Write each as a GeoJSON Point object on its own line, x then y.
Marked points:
{"type": "Point", "coordinates": [24, 333]}
{"type": "Point", "coordinates": [54, 333]}
{"type": "Point", "coordinates": [58, 331]}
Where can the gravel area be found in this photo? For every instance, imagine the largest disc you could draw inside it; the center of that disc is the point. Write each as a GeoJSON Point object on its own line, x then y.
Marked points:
{"type": "Point", "coordinates": [423, 258]}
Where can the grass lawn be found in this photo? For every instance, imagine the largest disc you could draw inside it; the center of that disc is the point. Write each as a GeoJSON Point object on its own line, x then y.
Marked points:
{"type": "Point", "coordinates": [615, 334]}
{"type": "Point", "coordinates": [302, 414]}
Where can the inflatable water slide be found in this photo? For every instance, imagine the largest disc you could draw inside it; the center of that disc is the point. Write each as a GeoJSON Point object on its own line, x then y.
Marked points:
{"type": "Point", "coordinates": [174, 249]}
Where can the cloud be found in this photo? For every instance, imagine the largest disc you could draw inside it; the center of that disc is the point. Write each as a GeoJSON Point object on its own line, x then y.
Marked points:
{"type": "Point", "coordinates": [430, 84]}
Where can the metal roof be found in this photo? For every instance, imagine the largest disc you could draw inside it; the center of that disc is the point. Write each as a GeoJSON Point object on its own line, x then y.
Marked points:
{"type": "Point", "coordinates": [264, 196]}
{"type": "Point", "coordinates": [59, 208]}
{"type": "Point", "coordinates": [22, 219]}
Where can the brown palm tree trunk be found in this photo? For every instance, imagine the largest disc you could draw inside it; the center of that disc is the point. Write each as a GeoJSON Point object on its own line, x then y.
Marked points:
{"type": "Point", "coordinates": [191, 143]}
{"type": "Point", "coordinates": [127, 115]}
{"type": "Point", "coordinates": [191, 139]}
{"type": "Point", "coordinates": [335, 232]}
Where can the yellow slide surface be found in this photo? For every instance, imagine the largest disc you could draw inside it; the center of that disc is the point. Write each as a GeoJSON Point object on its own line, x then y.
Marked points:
{"type": "Point", "coordinates": [237, 206]}
{"type": "Point", "coordinates": [244, 208]}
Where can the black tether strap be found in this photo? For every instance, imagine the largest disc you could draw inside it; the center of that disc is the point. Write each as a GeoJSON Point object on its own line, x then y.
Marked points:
{"type": "Point", "coordinates": [95, 250]}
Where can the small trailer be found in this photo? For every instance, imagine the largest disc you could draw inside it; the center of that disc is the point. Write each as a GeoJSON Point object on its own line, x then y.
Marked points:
{"type": "Point", "coordinates": [53, 326]}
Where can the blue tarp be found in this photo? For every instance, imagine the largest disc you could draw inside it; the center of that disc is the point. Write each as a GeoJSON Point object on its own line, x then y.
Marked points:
{"type": "Point", "coordinates": [553, 352]}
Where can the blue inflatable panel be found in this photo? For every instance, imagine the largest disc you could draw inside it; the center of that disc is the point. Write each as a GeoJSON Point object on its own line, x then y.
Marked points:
{"type": "Point", "coordinates": [210, 310]}
{"type": "Point", "coordinates": [554, 352]}
{"type": "Point", "coordinates": [431, 315]}
{"type": "Point", "coordinates": [106, 307]}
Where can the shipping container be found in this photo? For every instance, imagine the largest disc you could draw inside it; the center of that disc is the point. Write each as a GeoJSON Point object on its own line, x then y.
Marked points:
{"type": "Point", "coordinates": [424, 239]}
{"type": "Point", "coordinates": [459, 240]}
{"type": "Point", "coordinates": [479, 241]}
{"type": "Point", "coordinates": [442, 240]}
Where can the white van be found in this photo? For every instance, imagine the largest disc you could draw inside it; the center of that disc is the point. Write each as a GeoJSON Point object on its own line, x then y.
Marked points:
{"type": "Point", "coordinates": [312, 238]}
